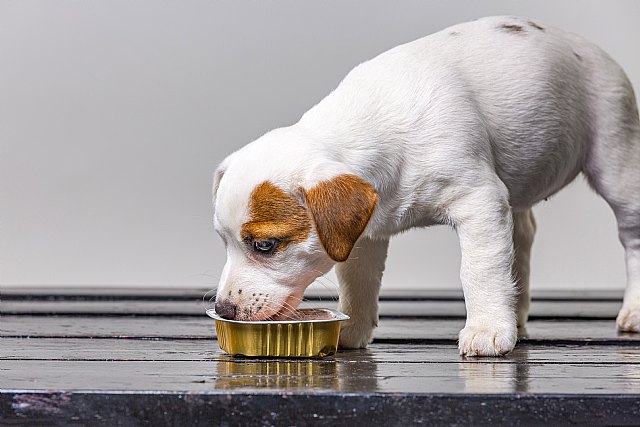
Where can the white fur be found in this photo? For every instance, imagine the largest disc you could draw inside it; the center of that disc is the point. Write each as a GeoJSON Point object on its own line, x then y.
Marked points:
{"type": "Point", "coordinates": [471, 127]}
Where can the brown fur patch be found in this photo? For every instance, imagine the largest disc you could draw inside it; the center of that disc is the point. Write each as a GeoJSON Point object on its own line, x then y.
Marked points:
{"type": "Point", "coordinates": [512, 28]}
{"type": "Point", "coordinates": [536, 26]}
{"type": "Point", "coordinates": [275, 214]}
{"type": "Point", "coordinates": [341, 208]}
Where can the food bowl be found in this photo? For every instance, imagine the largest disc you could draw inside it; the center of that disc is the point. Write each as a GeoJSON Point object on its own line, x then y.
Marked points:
{"type": "Point", "coordinates": [314, 334]}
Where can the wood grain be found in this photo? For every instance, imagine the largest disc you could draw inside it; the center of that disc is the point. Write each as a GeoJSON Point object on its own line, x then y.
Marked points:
{"type": "Point", "coordinates": [141, 357]}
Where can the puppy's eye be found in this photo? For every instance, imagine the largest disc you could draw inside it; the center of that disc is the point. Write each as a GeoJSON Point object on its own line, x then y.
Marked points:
{"type": "Point", "coordinates": [265, 246]}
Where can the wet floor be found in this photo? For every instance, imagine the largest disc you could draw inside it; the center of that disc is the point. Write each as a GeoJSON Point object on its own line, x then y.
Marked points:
{"type": "Point", "coordinates": [80, 349]}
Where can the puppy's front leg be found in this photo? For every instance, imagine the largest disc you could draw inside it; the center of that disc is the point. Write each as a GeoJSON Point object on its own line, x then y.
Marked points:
{"type": "Point", "coordinates": [360, 277]}
{"type": "Point", "coordinates": [483, 221]}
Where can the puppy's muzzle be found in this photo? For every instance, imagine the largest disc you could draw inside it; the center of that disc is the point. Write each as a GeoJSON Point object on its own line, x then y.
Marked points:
{"type": "Point", "coordinates": [225, 309]}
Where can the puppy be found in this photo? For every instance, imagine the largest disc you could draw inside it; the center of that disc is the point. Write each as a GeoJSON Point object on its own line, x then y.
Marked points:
{"type": "Point", "coordinates": [470, 127]}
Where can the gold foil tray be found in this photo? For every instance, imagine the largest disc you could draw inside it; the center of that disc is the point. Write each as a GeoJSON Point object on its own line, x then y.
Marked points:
{"type": "Point", "coordinates": [316, 335]}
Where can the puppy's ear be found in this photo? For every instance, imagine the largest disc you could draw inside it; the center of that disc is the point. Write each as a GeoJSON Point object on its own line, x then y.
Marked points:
{"type": "Point", "coordinates": [341, 208]}
{"type": "Point", "coordinates": [217, 177]}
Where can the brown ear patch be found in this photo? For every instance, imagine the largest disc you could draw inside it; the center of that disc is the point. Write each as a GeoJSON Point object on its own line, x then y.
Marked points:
{"type": "Point", "coordinates": [341, 208]}
{"type": "Point", "coordinates": [275, 214]}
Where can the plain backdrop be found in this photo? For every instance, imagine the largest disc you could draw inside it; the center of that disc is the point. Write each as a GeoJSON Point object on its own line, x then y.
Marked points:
{"type": "Point", "coordinates": [114, 114]}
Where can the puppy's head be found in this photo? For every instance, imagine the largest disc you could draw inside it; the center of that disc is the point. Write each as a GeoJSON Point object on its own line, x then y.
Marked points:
{"type": "Point", "coordinates": [281, 232]}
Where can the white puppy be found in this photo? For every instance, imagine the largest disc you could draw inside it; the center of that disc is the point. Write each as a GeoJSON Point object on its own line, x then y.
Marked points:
{"type": "Point", "coordinates": [470, 127]}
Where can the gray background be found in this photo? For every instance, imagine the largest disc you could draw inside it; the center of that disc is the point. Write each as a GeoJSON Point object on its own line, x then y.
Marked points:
{"type": "Point", "coordinates": [114, 114]}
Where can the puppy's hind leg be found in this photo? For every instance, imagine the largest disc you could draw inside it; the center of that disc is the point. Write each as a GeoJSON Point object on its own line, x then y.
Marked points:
{"type": "Point", "coordinates": [524, 228]}
{"type": "Point", "coordinates": [624, 198]}
{"type": "Point", "coordinates": [613, 170]}
{"type": "Point", "coordinates": [629, 232]}
{"type": "Point", "coordinates": [360, 277]}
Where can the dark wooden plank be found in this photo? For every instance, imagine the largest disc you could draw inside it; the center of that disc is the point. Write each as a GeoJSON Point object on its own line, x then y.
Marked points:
{"type": "Point", "coordinates": [70, 349]}
{"type": "Point", "coordinates": [390, 330]}
{"type": "Point", "coordinates": [101, 293]}
{"type": "Point", "coordinates": [87, 293]}
{"type": "Point", "coordinates": [425, 309]}
{"type": "Point", "coordinates": [171, 372]}
{"type": "Point", "coordinates": [304, 376]}
{"type": "Point", "coordinates": [100, 327]}
{"type": "Point", "coordinates": [222, 408]}
{"type": "Point", "coordinates": [378, 375]}
{"type": "Point", "coordinates": [115, 307]}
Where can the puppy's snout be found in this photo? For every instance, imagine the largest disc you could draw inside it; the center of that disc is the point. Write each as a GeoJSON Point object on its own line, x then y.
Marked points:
{"type": "Point", "coordinates": [225, 309]}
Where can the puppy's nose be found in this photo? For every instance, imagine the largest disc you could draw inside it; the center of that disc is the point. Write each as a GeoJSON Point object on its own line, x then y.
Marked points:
{"type": "Point", "coordinates": [225, 309]}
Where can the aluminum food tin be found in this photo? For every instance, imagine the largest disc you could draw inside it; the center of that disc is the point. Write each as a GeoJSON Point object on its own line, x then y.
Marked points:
{"type": "Point", "coordinates": [316, 335]}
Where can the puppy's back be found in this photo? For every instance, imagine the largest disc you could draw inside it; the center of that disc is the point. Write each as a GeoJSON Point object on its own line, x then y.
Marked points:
{"type": "Point", "coordinates": [512, 87]}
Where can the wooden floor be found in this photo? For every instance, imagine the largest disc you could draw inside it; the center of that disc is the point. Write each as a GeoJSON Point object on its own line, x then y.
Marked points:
{"type": "Point", "coordinates": [136, 357]}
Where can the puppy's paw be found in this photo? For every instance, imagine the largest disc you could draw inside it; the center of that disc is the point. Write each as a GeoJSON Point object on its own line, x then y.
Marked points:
{"type": "Point", "coordinates": [355, 335]}
{"type": "Point", "coordinates": [487, 340]}
{"type": "Point", "coordinates": [629, 319]}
